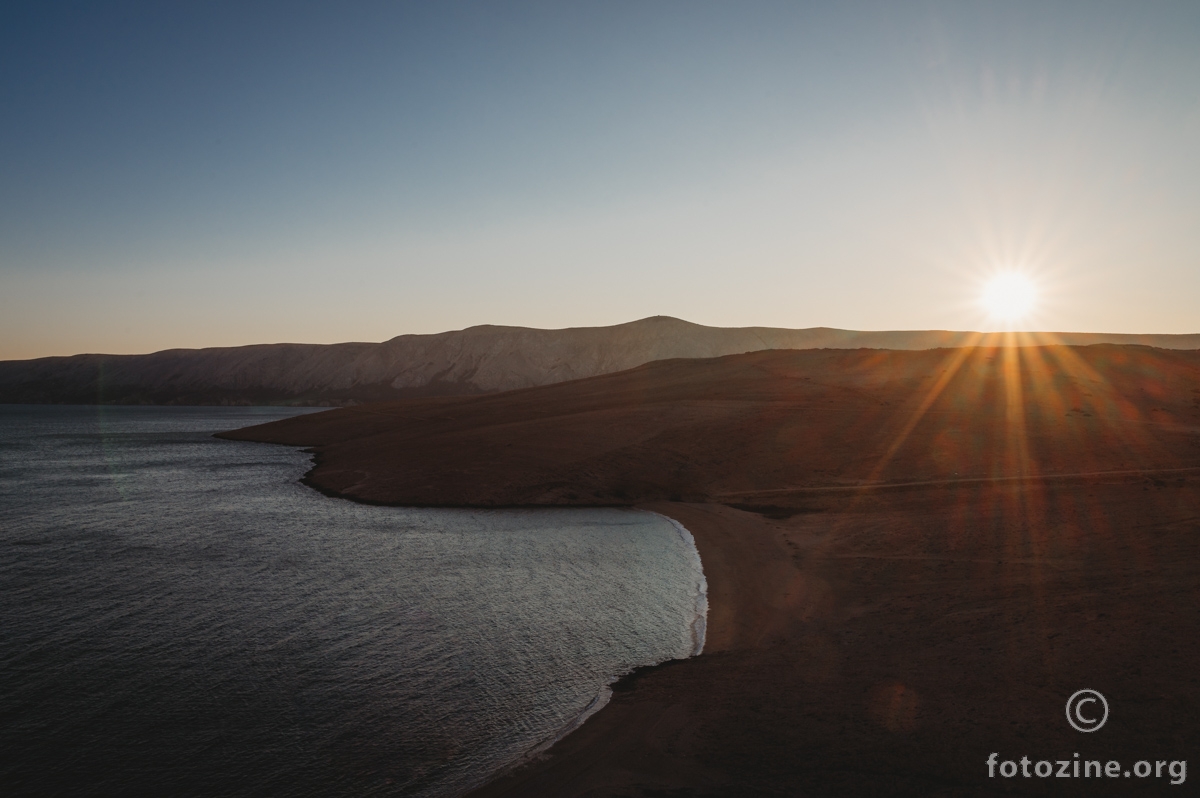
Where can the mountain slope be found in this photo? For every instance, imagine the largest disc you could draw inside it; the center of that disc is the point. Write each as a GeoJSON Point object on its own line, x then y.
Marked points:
{"type": "Point", "coordinates": [761, 424]}
{"type": "Point", "coordinates": [476, 360]}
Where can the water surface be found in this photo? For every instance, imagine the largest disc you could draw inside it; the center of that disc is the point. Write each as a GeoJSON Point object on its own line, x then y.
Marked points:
{"type": "Point", "coordinates": [180, 616]}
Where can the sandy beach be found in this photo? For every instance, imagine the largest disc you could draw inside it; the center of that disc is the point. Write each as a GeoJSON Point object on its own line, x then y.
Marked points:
{"type": "Point", "coordinates": [913, 559]}
{"type": "Point", "coordinates": [874, 649]}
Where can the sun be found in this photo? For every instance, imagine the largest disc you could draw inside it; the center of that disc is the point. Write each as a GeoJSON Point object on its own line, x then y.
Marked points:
{"type": "Point", "coordinates": [1009, 296]}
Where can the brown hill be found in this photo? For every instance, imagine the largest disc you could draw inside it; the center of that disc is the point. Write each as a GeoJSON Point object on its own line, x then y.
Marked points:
{"type": "Point", "coordinates": [775, 421]}
{"type": "Point", "coordinates": [463, 362]}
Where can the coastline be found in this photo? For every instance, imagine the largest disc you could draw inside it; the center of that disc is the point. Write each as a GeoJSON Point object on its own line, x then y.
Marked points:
{"type": "Point", "coordinates": [869, 648]}
{"type": "Point", "coordinates": [622, 682]}
{"type": "Point", "coordinates": [904, 573]}
{"type": "Point", "coordinates": [594, 757]}
{"type": "Point", "coordinates": [699, 623]}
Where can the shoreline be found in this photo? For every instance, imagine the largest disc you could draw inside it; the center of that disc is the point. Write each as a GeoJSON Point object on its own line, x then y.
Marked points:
{"type": "Point", "coordinates": [730, 624]}
{"type": "Point", "coordinates": [875, 625]}
{"type": "Point", "coordinates": [622, 682]}
{"type": "Point", "coordinates": [699, 624]}
{"type": "Point", "coordinates": [869, 648]}
{"type": "Point", "coordinates": [625, 683]}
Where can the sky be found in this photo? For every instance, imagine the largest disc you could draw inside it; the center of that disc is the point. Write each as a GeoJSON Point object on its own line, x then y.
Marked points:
{"type": "Point", "coordinates": [218, 174]}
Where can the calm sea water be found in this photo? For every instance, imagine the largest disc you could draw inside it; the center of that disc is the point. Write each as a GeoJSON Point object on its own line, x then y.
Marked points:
{"type": "Point", "coordinates": [179, 616]}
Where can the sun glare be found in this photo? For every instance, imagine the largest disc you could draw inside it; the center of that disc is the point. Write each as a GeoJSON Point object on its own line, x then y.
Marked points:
{"type": "Point", "coordinates": [1009, 296]}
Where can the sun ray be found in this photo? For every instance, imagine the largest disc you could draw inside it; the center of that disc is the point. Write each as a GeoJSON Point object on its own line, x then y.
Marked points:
{"type": "Point", "coordinates": [957, 358]}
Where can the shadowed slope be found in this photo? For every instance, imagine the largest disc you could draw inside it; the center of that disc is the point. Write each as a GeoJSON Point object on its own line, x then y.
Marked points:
{"type": "Point", "coordinates": [701, 430]}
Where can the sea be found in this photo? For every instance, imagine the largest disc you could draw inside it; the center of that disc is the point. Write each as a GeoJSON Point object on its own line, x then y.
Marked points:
{"type": "Point", "coordinates": [180, 616]}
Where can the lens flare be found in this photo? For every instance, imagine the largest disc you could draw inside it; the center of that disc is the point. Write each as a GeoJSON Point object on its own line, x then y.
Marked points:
{"type": "Point", "coordinates": [1009, 296]}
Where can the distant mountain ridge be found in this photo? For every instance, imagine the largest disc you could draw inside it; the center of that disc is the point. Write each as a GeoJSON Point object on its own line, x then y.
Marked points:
{"type": "Point", "coordinates": [476, 360]}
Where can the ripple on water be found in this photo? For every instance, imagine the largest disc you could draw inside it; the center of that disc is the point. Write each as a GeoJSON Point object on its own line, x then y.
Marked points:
{"type": "Point", "coordinates": [181, 616]}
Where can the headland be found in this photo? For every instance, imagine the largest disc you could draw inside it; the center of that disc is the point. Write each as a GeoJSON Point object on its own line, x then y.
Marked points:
{"type": "Point", "coordinates": [913, 558]}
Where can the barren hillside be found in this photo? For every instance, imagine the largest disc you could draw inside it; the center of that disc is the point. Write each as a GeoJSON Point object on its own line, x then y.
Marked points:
{"type": "Point", "coordinates": [475, 360]}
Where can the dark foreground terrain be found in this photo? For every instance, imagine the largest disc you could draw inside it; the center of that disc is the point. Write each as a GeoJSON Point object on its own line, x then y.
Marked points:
{"type": "Point", "coordinates": [914, 558]}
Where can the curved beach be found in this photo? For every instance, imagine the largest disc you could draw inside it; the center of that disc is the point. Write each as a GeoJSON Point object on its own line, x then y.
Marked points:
{"type": "Point", "coordinates": [912, 559]}
{"type": "Point", "coordinates": [644, 738]}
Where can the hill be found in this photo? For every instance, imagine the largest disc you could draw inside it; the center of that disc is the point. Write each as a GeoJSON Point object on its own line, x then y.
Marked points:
{"type": "Point", "coordinates": [476, 360]}
{"type": "Point", "coordinates": [764, 422]}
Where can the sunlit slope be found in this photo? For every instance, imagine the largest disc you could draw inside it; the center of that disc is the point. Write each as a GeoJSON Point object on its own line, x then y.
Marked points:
{"type": "Point", "coordinates": [476, 360]}
{"type": "Point", "coordinates": [766, 423]}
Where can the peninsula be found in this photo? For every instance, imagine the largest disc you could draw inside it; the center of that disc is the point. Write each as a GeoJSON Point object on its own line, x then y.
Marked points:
{"type": "Point", "coordinates": [914, 557]}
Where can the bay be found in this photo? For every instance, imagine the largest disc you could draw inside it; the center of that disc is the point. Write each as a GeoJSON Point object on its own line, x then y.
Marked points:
{"type": "Point", "coordinates": [180, 616]}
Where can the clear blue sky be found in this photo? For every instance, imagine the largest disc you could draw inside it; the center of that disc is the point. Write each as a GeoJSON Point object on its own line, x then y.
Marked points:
{"type": "Point", "coordinates": [203, 174]}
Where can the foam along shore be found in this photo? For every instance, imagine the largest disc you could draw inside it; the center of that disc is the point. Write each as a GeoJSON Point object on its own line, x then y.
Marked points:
{"type": "Point", "coordinates": [698, 627]}
{"type": "Point", "coordinates": [699, 623]}
{"type": "Point", "coordinates": [869, 647]}
{"type": "Point", "coordinates": [626, 724]}
{"type": "Point", "coordinates": [883, 638]}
